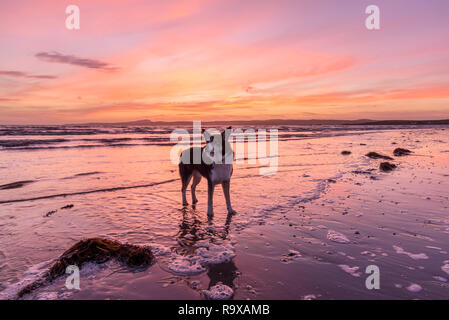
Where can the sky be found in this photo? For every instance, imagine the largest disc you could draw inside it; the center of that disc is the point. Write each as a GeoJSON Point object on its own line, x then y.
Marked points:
{"type": "Point", "coordinates": [222, 60]}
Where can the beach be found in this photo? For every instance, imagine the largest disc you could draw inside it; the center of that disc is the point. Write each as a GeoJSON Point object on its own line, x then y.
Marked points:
{"type": "Point", "coordinates": [307, 231]}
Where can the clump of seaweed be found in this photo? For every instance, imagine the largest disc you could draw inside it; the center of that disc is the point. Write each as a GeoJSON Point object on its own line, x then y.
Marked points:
{"type": "Point", "coordinates": [375, 155]}
{"type": "Point", "coordinates": [399, 152]}
{"type": "Point", "coordinates": [95, 250]}
{"type": "Point", "coordinates": [387, 166]}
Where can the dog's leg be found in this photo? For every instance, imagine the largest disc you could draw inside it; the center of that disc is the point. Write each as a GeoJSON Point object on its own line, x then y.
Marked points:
{"type": "Point", "coordinates": [210, 199]}
{"type": "Point", "coordinates": [196, 181]}
{"type": "Point", "coordinates": [226, 190]}
{"type": "Point", "coordinates": [185, 184]}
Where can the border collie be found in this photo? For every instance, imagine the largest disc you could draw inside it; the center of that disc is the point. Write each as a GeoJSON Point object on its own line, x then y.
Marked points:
{"type": "Point", "coordinates": [213, 162]}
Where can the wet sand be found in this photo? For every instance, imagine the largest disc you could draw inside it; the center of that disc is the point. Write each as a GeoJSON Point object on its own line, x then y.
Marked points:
{"type": "Point", "coordinates": [307, 232]}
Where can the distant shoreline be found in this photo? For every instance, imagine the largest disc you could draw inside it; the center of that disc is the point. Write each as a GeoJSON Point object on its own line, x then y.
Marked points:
{"type": "Point", "coordinates": [278, 122]}
{"type": "Point", "coordinates": [285, 122]}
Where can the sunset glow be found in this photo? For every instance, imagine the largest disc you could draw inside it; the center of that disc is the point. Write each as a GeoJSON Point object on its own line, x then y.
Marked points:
{"type": "Point", "coordinates": [222, 60]}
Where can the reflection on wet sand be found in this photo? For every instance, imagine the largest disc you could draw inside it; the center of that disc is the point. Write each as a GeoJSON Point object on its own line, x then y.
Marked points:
{"type": "Point", "coordinates": [194, 232]}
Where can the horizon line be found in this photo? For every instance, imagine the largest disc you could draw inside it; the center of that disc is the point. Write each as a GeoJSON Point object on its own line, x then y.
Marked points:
{"type": "Point", "coordinates": [263, 121]}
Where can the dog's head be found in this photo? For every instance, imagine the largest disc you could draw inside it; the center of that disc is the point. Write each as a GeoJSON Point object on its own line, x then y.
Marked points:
{"type": "Point", "coordinates": [218, 146]}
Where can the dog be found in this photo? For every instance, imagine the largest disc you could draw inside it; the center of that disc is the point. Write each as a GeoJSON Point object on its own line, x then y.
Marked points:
{"type": "Point", "coordinates": [213, 162]}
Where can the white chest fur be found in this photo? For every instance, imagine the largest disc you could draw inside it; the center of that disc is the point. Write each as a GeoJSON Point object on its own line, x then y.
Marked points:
{"type": "Point", "coordinates": [220, 173]}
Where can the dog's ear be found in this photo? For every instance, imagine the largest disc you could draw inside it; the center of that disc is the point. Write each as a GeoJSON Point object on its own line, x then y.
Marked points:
{"type": "Point", "coordinates": [227, 132]}
{"type": "Point", "coordinates": [207, 136]}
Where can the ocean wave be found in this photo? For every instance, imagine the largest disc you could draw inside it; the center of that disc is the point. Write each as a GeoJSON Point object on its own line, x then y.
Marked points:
{"type": "Point", "coordinates": [26, 143]}
{"type": "Point", "coordinates": [76, 130]}
{"type": "Point", "coordinates": [70, 137]}
{"type": "Point", "coordinates": [71, 130]}
{"type": "Point", "coordinates": [49, 131]}
{"type": "Point", "coordinates": [88, 146]}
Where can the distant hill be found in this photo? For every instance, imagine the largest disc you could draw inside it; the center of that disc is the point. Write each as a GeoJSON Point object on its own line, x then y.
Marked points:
{"type": "Point", "coordinates": [408, 122]}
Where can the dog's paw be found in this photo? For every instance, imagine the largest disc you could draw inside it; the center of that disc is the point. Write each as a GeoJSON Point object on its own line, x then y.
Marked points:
{"type": "Point", "coordinates": [185, 204]}
{"type": "Point", "coordinates": [231, 211]}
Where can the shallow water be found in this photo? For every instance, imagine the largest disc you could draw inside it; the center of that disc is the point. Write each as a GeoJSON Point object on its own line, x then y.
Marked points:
{"type": "Point", "coordinates": [307, 231]}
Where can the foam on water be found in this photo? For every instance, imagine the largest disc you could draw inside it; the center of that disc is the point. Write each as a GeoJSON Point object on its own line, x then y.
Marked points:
{"type": "Point", "coordinates": [216, 253]}
{"type": "Point", "coordinates": [414, 287]}
{"type": "Point", "coordinates": [159, 250]}
{"type": "Point", "coordinates": [442, 279]}
{"type": "Point", "coordinates": [219, 292]}
{"type": "Point", "coordinates": [432, 247]}
{"type": "Point", "coordinates": [445, 267]}
{"type": "Point", "coordinates": [31, 275]}
{"type": "Point", "coordinates": [414, 256]}
{"type": "Point", "coordinates": [36, 272]}
{"type": "Point", "coordinates": [185, 265]}
{"type": "Point", "coordinates": [351, 270]}
{"type": "Point", "coordinates": [206, 253]}
{"type": "Point", "coordinates": [369, 253]}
